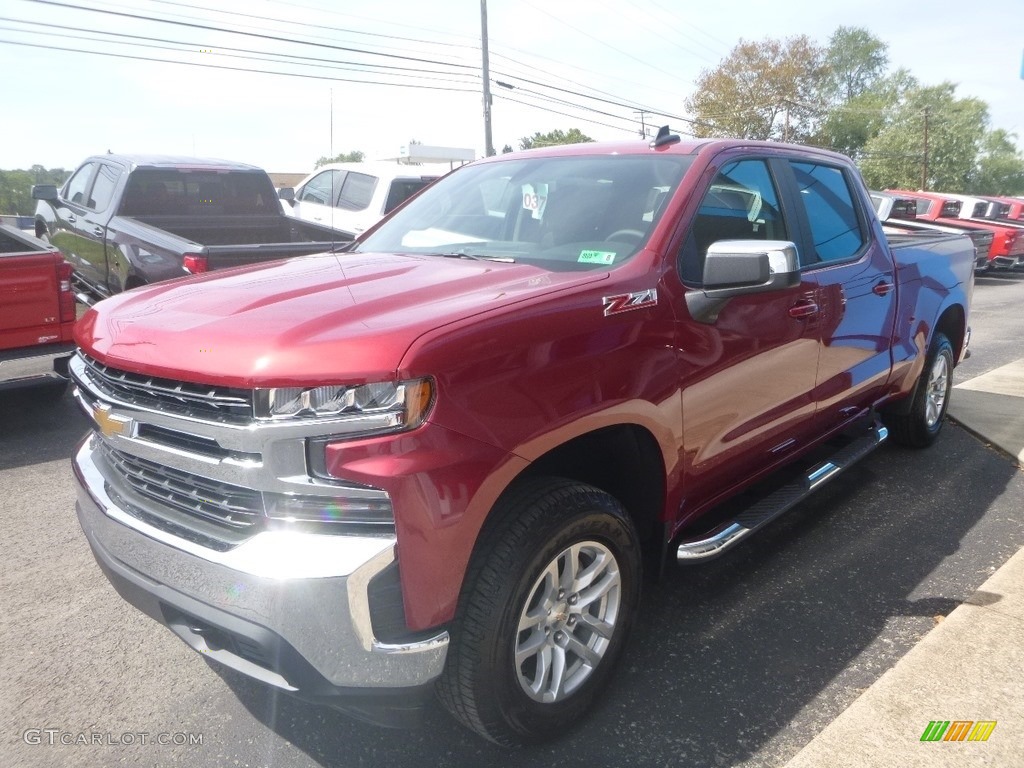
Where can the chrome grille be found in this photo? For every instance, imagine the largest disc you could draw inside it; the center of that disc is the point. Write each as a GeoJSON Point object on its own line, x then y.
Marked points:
{"type": "Point", "coordinates": [223, 503]}
{"type": "Point", "coordinates": [222, 404]}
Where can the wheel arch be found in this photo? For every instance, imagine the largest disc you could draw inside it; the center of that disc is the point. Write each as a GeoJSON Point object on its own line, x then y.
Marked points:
{"type": "Point", "coordinates": [952, 324]}
{"type": "Point", "coordinates": [623, 460]}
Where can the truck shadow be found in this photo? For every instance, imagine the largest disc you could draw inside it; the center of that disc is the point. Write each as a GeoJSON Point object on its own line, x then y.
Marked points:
{"type": "Point", "coordinates": [38, 424]}
{"type": "Point", "coordinates": [749, 656]}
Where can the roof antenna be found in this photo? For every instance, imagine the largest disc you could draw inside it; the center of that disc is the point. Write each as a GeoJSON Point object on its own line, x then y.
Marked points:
{"type": "Point", "coordinates": [664, 138]}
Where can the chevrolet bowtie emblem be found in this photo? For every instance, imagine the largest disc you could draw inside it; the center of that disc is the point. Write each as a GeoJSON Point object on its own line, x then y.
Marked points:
{"type": "Point", "coordinates": [111, 424]}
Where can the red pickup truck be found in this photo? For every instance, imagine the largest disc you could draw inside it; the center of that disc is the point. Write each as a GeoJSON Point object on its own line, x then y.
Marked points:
{"type": "Point", "coordinates": [441, 460]}
{"type": "Point", "coordinates": [37, 313]}
{"type": "Point", "coordinates": [1007, 249]}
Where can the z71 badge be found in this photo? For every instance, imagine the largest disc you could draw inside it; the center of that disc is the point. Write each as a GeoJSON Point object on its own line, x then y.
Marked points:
{"type": "Point", "coordinates": [624, 302]}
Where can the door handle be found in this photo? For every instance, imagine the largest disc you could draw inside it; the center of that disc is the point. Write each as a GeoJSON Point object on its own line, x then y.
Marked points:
{"type": "Point", "coordinates": [803, 309]}
{"type": "Point", "coordinates": [72, 219]}
{"type": "Point", "coordinates": [98, 231]}
{"type": "Point", "coordinates": [882, 288]}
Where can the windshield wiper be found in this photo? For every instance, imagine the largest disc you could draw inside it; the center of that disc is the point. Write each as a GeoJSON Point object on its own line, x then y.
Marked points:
{"type": "Point", "coordinates": [475, 257]}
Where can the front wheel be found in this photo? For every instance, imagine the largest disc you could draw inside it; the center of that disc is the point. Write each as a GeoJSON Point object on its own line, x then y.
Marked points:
{"type": "Point", "coordinates": [550, 596]}
{"type": "Point", "coordinates": [919, 427]}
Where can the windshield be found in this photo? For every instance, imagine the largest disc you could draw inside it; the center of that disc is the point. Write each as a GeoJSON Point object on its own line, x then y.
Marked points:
{"type": "Point", "coordinates": [560, 213]}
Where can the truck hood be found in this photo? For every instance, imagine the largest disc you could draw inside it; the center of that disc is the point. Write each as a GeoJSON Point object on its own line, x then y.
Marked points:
{"type": "Point", "coordinates": [342, 318]}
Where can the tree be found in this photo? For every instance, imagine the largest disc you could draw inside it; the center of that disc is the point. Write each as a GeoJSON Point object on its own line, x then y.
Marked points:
{"type": "Point", "coordinates": [896, 156]}
{"type": "Point", "coordinates": [16, 187]}
{"type": "Point", "coordinates": [1000, 166]}
{"type": "Point", "coordinates": [849, 125]}
{"type": "Point", "coordinates": [572, 136]}
{"type": "Point", "coordinates": [854, 62]}
{"type": "Point", "coordinates": [765, 90]}
{"type": "Point", "coordinates": [355, 156]}
{"type": "Point", "coordinates": [506, 149]}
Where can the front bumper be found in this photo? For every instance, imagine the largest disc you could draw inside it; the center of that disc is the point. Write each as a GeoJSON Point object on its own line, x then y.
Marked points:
{"type": "Point", "coordinates": [289, 609]}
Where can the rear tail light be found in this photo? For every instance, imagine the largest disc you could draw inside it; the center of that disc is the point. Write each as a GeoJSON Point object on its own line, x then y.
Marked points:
{"type": "Point", "coordinates": [1014, 243]}
{"type": "Point", "coordinates": [195, 263]}
{"type": "Point", "coordinates": [65, 295]}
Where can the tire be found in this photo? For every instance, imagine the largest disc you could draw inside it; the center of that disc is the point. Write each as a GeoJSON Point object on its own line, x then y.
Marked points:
{"type": "Point", "coordinates": [532, 642]}
{"type": "Point", "coordinates": [918, 427]}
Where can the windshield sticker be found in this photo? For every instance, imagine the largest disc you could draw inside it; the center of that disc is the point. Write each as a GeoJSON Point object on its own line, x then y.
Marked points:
{"type": "Point", "coordinates": [596, 257]}
{"type": "Point", "coordinates": [535, 198]}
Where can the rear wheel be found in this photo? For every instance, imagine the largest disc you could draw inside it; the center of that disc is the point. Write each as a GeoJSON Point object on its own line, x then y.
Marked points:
{"type": "Point", "coordinates": [550, 597]}
{"type": "Point", "coordinates": [919, 427]}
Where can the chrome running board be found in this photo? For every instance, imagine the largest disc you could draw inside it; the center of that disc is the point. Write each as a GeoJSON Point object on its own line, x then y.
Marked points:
{"type": "Point", "coordinates": [781, 500]}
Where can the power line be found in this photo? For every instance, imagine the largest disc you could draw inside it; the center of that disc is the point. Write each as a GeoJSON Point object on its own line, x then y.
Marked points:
{"type": "Point", "coordinates": [220, 49]}
{"type": "Point", "coordinates": [276, 38]}
{"type": "Point", "coordinates": [209, 65]}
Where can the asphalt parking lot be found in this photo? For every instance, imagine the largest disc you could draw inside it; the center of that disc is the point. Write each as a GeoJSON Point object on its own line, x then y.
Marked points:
{"type": "Point", "coordinates": [739, 662]}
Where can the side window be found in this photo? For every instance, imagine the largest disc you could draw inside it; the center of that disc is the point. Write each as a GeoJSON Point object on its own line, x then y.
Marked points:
{"type": "Point", "coordinates": [322, 188]}
{"type": "Point", "coordinates": [103, 187]}
{"type": "Point", "coordinates": [357, 191]}
{"type": "Point", "coordinates": [401, 190]}
{"type": "Point", "coordinates": [831, 212]}
{"type": "Point", "coordinates": [741, 204]}
{"type": "Point", "coordinates": [78, 184]}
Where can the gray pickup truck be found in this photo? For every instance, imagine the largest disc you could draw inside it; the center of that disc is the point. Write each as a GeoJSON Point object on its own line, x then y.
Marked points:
{"type": "Point", "coordinates": [128, 220]}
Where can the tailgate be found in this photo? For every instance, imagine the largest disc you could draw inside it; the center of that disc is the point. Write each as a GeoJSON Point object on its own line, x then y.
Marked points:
{"type": "Point", "coordinates": [29, 294]}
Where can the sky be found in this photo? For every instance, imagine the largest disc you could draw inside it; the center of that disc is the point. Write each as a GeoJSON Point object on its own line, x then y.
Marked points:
{"type": "Point", "coordinates": [341, 76]}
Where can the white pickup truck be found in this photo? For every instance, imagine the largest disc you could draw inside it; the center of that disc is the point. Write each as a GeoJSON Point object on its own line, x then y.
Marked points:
{"type": "Point", "coordinates": [352, 197]}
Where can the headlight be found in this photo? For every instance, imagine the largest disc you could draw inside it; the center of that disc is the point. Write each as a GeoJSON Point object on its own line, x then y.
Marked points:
{"type": "Point", "coordinates": [378, 407]}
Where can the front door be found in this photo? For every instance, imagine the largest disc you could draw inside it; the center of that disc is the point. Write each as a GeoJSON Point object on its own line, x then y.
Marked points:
{"type": "Point", "coordinates": [748, 376]}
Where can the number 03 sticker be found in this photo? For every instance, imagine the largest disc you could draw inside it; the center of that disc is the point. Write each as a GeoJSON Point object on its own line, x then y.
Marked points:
{"type": "Point", "coordinates": [535, 198]}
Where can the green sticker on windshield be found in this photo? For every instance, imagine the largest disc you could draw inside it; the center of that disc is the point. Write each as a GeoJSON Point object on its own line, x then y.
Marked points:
{"type": "Point", "coordinates": [596, 257]}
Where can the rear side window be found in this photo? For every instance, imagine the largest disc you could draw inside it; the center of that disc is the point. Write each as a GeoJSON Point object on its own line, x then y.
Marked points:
{"type": "Point", "coordinates": [831, 213]}
{"type": "Point", "coordinates": [401, 190]}
{"type": "Point", "coordinates": [357, 191]}
{"type": "Point", "coordinates": [103, 187]}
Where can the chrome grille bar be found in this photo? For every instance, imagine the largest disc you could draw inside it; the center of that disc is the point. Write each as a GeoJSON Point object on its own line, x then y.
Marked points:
{"type": "Point", "coordinates": [220, 403]}
{"type": "Point", "coordinates": [212, 500]}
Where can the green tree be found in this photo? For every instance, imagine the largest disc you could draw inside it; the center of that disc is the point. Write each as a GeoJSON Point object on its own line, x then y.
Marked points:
{"type": "Point", "coordinates": [16, 187]}
{"type": "Point", "coordinates": [762, 90]}
{"type": "Point", "coordinates": [354, 156]}
{"type": "Point", "coordinates": [955, 127]}
{"type": "Point", "coordinates": [1000, 166]}
{"type": "Point", "coordinates": [854, 62]}
{"type": "Point", "coordinates": [849, 125]}
{"type": "Point", "coordinates": [572, 136]}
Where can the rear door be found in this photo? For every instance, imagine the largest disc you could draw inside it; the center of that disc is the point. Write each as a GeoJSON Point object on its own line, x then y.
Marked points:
{"type": "Point", "coordinates": [856, 281]}
{"type": "Point", "coordinates": [91, 227]}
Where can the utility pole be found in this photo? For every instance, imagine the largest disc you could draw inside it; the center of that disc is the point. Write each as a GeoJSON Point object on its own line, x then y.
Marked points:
{"type": "Point", "coordinates": [643, 124]}
{"type": "Point", "coordinates": [488, 141]}
{"type": "Point", "coordinates": [924, 169]}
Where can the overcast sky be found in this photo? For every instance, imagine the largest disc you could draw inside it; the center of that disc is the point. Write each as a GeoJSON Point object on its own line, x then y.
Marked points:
{"type": "Point", "coordinates": [58, 106]}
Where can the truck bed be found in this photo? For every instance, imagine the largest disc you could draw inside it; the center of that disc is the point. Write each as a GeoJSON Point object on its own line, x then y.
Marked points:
{"type": "Point", "coordinates": [229, 230]}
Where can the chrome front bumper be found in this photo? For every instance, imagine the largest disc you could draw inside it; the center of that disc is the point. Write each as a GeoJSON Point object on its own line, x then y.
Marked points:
{"type": "Point", "coordinates": [291, 609]}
